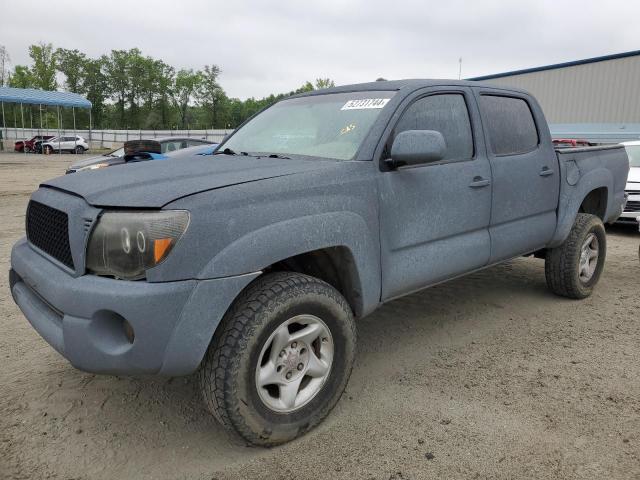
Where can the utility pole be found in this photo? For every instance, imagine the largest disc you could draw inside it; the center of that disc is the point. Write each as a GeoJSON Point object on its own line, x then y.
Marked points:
{"type": "Point", "coordinates": [460, 68]}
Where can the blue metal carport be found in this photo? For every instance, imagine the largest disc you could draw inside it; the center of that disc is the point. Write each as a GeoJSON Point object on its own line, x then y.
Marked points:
{"type": "Point", "coordinates": [31, 96]}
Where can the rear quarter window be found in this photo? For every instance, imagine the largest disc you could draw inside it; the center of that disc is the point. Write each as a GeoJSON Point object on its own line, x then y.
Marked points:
{"type": "Point", "coordinates": [510, 125]}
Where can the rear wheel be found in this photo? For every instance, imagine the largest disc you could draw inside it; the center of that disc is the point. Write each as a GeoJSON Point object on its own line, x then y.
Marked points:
{"type": "Point", "coordinates": [27, 149]}
{"type": "Point", "coordinates": [574, 268]}
{"type": "Point", "coordinates": [280, 360]}
{"type": "Point", "coordinates": [48, 149]}
{"type": "Point", "coordinates": [79, 149]}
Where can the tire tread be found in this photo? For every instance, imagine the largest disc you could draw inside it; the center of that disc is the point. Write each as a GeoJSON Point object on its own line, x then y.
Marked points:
{"type": "Point", "coordinates": [232, 335]}
{"type": "Point", "coordinates": [560, 262]}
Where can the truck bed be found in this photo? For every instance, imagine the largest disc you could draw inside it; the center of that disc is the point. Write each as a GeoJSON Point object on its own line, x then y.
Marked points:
{"type": "Point", "coordinates": [581, 170]}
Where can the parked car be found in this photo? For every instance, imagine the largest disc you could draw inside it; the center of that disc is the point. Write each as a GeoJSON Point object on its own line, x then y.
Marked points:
{"type": "Point", "coordinates": [570, 143]}
{"type": "Point", "coordinates": [29, 146]}
{"type": "Point", "coordinates": [251, 265]}
{"type": "Point", "coordinates": [72, 144]}
{"type": "Point", "coordinates": [37, 145]}
{"type": "Point", "coordinates": [137, 150]}
{"type": "Point", "coordinates": [632, 209]}
{"type": "Point", "coordinates": [89, 162]}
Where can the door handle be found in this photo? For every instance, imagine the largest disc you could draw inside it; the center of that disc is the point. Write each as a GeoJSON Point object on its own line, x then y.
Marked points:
{"type": "Point", "coordinates": [545, 172]}
{"type": "Point", "coordinates": [479, 182]}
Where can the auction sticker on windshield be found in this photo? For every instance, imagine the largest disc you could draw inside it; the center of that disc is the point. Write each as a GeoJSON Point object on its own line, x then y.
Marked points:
{"type": "Point", "coordinates": [365, 103]}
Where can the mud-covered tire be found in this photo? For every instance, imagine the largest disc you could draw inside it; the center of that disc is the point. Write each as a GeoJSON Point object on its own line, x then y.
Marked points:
{"type": "Point", "coordinates": [563, 263]}
{"type": "Point", "coordinates": [228, 374]}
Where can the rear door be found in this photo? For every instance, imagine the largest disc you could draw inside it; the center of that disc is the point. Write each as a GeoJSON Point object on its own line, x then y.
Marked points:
{"type": "Point", "coordinates": [434, 217]}
{"type": "Point", "coordinates": [68, 143]}
{"type": "Point", "coordinates": [525, 170]}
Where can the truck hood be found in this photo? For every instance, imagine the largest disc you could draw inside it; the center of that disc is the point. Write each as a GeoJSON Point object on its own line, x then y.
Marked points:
{"type": "Point", "coordinates": [155, 184]}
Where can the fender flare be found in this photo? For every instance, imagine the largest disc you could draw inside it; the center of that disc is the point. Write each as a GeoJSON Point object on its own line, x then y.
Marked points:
{"type": "Point", "coordinates": [273, 243]}
{"type": "Point", "coordinates": [572, 196]}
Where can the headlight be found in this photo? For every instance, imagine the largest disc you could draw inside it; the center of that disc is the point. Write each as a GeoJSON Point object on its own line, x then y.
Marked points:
{"type": "Point", "coordinates": [126, 244]}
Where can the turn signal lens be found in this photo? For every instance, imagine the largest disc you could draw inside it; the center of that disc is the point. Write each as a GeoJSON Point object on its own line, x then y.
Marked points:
{"type": "Point", "coordinates": [161, 248]}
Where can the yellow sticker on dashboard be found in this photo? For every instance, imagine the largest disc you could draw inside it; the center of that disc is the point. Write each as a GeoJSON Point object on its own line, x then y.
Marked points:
{"type": "Point", "coordinates": [348, 129]}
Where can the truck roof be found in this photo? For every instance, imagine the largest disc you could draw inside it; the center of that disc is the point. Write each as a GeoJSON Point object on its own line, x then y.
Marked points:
{"type": "Point", "coordinates": [408, 85]}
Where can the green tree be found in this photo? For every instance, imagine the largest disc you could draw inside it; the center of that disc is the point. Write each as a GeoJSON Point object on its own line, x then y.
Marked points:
{"type": "Point", "coordinates": [210, 94]}
{"type": "Point", "coordinates": [307, 87]}
{"type": "Point", "coordinates": [137, 72]}
{"type": "Point", "coordinates": [131, 90]}
{"type": "Point", "coordinates": [186, 84]}
{"type": "Point", "coordinates": [96, 88]}
{"type": "Point", "coordinates": [117, 74]}
{"type": "Point", "coordinates": [21, 77]}
{"type": "Point", "coordinates": [165, 83]}
{"type": "Point", "coordinates": [324, 83]}
{"type": "Point", "coordinates": [44, 66]}
{"type": "Point", "coordinates": [72, 64]}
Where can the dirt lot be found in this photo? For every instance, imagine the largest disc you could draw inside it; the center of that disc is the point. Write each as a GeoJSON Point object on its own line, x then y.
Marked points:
{"type": "Point", "coordinates": [489, 376]}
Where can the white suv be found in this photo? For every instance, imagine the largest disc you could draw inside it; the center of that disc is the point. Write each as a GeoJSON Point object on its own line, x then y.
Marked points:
{"type": "Point", "coordinates": [73, 144]}
{"type": "Point", "coordinates": [632, 209]}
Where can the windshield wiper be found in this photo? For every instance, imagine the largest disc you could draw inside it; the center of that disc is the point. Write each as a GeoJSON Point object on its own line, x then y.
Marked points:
{"type": "Point", "coordinates": [269, 155]}
{"type": "Point", "coordinates": [226, 151]}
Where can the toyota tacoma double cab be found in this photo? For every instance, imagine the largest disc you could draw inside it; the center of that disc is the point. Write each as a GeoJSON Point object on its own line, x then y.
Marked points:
{"type": "Point", "coordinates": [250, 266]}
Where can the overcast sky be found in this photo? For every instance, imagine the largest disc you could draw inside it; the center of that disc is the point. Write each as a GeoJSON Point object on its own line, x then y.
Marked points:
{"type": "Point", "coordinates": [274, 46]}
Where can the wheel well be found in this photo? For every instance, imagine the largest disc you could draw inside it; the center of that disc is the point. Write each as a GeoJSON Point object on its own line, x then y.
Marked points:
{"type": "Point", "coordinates": [595, 203]}
{"type": "Point", "coordinates": [334, 265]}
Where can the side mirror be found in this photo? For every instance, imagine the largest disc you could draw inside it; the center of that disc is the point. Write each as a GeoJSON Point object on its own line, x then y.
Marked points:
{"type": "Point", "coordinates": [413, 147]}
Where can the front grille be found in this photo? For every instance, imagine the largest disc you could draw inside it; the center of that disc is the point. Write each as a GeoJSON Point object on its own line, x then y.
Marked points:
{"type": "Point", "coordinates": [48, 229]}
{"type": "Point", "coordinates": [633, 206]}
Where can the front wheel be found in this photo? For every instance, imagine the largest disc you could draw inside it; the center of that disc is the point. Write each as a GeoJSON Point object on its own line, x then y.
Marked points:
{"type": "Point", "coordinates": [574, 268]}
{"type": "Point", "coordinates": [27, 149]}
{"type": "Point", "coordinates": [280, 359]}
{"type": "Point", "coordinates": [79, 149]}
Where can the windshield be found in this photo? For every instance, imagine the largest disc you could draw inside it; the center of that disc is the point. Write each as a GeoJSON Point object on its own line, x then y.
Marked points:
{"type": "Point", "coordinates": [329, 126]}
{"type": "Point", "coordinates": [633, 151]}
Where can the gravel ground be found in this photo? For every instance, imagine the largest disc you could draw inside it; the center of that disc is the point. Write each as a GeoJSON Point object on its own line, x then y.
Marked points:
{"type": "Point", "coordinates": [488, 376]}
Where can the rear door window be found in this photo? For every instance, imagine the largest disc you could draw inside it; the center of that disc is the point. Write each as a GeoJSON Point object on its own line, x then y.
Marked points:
{"type": "Point", "coordinates": [510, 125]}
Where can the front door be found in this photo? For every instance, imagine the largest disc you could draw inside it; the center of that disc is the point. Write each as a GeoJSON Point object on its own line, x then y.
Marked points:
{"type": "Point", "coordinates": [435, 217]}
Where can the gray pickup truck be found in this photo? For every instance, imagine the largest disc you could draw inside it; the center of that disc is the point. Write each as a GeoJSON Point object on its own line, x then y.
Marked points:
{"type": "Point", "coordinates": [250, 266]}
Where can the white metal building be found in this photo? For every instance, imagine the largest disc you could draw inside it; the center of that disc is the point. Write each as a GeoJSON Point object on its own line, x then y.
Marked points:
{"type": "Point", "coordinates": [596, 97]}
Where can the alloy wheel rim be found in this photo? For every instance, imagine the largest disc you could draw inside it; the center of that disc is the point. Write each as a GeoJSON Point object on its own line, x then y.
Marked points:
{"type": "Point", "coordinates": [589, 254]}
{"type": "Point", "coordinates": [294, 363]}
